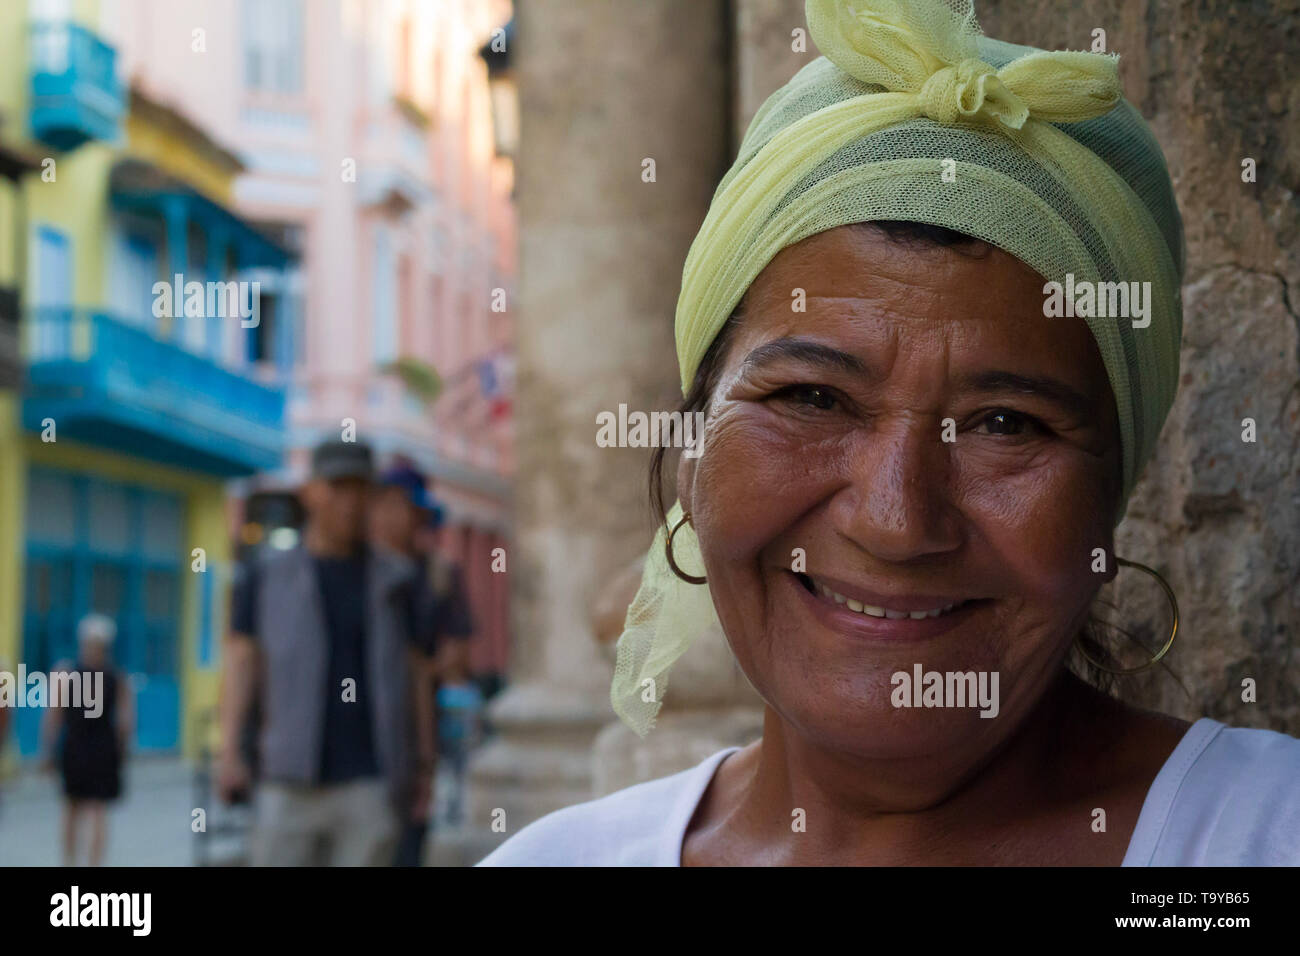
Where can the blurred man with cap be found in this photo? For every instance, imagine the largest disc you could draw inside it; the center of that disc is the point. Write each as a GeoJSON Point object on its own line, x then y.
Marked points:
{"type": "Point", "coordinates": [403, 517]}
{"type": "Point", "coordinates": [325, 632]}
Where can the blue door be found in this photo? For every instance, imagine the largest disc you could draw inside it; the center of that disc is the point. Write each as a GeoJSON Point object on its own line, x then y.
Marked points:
{"type": "Point", "coordinates": [155, 657]}
{"type": "Point", "coordinates": [102, 546]}
{"type": "Point", "coordinates": [48, 627]}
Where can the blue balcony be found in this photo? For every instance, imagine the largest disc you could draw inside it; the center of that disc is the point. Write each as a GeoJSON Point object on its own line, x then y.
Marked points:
{"type": "Point", "coordinates": [76, 95]}
{"type": "Point", "coordinates": [113, 384]}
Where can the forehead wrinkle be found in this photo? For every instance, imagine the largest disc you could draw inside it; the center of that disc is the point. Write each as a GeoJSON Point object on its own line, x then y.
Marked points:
{"type": "Point", "coordinates": [900, 300]}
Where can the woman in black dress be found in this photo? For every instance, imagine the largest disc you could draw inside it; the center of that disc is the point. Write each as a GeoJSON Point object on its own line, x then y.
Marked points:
{"type": "Point", "coordinates": [92, 738]}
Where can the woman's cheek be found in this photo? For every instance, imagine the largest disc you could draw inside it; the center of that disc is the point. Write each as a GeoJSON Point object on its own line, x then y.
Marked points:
{"type": "Point", "coordinates": [1043, 523]}
{"type": "Point", "coordinates": [756, 477]}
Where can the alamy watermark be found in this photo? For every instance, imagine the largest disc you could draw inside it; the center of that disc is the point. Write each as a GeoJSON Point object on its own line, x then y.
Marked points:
{"type": "Point", "coordinates": [76, 689]}
{"type": "Point", "coordinates": [131, 911]}
{"type": "Point", "coordinates": [923, 688]}
{"type": "Point", "coordinates": [1123, 300]}
{"type": "Point", "coordinates": [638, 429]}
{"type": "Point", "coordinates": [196, 300]}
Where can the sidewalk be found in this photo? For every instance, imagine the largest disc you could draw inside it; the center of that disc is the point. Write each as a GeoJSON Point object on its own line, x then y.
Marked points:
{"type": "Point", "coordinates": [149, 826]}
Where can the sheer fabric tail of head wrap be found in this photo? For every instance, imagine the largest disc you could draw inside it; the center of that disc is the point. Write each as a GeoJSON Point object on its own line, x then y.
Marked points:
{"type": "Point", "coordinates": [911, 113]}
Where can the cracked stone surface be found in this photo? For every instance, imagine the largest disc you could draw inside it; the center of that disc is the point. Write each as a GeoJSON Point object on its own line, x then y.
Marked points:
{"type": "Point", "coordinates": [1219, 517]}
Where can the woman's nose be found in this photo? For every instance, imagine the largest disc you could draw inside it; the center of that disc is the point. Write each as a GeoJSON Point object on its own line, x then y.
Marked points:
{"type": "Point", "coordinates": [899, 505]}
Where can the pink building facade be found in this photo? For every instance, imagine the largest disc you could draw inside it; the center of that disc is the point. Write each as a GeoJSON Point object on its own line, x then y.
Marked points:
{"type": "Point", "coordinates": [366, 129]}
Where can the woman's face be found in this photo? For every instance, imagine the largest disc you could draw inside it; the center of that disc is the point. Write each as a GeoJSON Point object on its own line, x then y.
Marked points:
{"type": "Point", "coordinates": [920, 437]}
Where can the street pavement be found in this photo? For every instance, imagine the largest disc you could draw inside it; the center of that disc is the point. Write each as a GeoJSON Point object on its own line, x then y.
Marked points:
{"type": "Point", "coordinates": [151, 824]}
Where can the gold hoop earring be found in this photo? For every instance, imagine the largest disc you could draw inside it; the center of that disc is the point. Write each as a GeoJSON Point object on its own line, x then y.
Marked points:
{"type": "Point", "coordinates": [672, 565]}
{"type": "Point", "coordinates": [1173, 631]}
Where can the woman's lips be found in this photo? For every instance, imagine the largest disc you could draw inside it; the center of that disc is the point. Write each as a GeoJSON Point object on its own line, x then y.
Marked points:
{"type": "Point", "coordinates": [849, 609]}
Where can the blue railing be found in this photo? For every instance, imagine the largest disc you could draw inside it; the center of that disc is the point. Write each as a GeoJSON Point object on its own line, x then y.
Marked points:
{"type": "Point", "coordinates": [76, 94]}
{"type": "Point", "coordinates": [106, 381]}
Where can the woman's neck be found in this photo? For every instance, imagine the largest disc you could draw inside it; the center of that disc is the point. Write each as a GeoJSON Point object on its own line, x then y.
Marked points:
{"type": "Point", "coordinates": [785, 801]}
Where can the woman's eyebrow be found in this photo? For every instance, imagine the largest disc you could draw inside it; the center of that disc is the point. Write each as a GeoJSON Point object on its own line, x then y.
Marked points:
{"type": "Point", "coordinates": [803, 350]}
{"type": "Point", "coordinates": [815, 353]}
{"type": "Point", "coordinates": [1052, 389]}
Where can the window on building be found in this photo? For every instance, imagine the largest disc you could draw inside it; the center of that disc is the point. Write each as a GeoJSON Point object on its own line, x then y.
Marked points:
{"type": "Point", "coordinates": [406, 304]}
{"type": "Point", "coordinates": [405, 74]}
{"type": "Point", "coordinates": [263, 338]}
{"type": "Point", "coordinates": [384, 274]}
{"type": "Point", "coordinates": [49, 10]}
{"type": "Point", "coordinates": [133, 272]}
{"type": "Point", "coordinates": [273, 45]}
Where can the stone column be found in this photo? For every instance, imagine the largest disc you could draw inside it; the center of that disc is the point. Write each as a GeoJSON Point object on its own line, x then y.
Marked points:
{"type": "Point", "coordinates": [709, 703]}
{"type": "Point", "coordinates": [603, 87]}
{"type": "Point", "coordinates": [767, 53]}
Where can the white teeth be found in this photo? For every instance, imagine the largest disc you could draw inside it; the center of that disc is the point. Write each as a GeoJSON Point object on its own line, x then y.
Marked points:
{"type": "Point", "coordinates": [874, 611]}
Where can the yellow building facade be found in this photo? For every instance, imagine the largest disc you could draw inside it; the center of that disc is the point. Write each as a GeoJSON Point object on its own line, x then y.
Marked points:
{"type": "Point", "coordinates": [127, 423]}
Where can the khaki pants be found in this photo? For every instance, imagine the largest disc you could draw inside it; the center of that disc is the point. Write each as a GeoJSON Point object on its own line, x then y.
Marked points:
{"type": "Point", "coordinates": [346, 824]}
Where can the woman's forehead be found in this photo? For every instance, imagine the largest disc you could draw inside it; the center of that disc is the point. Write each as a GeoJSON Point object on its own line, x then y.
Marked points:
{"type": "Point", "coordinates": [857, 262]}
{"type": "Point", "coordinates": [859, 291]}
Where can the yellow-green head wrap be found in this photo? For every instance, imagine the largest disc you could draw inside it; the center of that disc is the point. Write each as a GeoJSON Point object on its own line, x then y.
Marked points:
{"type": "Point", "coordinates": [913, 114]}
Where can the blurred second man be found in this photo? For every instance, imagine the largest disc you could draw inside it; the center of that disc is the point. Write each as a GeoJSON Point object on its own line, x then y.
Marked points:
{"type": "Point", "coordinates": [323, 635]}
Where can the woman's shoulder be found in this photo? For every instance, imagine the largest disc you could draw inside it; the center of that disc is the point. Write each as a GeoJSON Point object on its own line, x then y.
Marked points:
{"type": "Point", "coordinates": [1228, 796]}
{"type": "Point", "coordinates": [641, 825]}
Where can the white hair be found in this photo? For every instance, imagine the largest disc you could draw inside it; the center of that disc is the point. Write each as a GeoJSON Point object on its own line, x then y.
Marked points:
{"type": "Point", "coordinates": [96, 628]}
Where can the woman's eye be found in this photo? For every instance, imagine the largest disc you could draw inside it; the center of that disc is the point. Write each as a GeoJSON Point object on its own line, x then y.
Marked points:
{"type": "Point", "coordinates": [1003, 421]}
{"type": "Point", "coordinates": [813, 396]}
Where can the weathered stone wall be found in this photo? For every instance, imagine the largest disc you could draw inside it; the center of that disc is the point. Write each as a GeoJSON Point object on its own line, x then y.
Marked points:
{"type": "Point", "coordinates": [1218, 517]}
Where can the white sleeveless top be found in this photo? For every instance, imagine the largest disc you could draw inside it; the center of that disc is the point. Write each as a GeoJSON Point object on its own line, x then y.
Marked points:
{"type": "Point", "coordinates": [1225, 797]}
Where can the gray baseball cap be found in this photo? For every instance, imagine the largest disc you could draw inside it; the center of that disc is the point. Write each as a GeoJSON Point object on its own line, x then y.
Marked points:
{"type": "Point", "coordinates": [342, 459]}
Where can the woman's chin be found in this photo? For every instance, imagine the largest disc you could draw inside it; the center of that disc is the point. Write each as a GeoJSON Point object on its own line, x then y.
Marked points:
{"type": "Point", "coordinates": [882, 687]}
{"type": "Point", "coordinates": [849, 727]}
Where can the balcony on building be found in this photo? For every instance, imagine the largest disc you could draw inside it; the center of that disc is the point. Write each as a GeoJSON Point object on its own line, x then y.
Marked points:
{"type": "Point", "coordinates": [177, 390]}
{"type": "Point", "coordinates": [395, 173]}
{"type": "Point", "coordinates": [76, 94]}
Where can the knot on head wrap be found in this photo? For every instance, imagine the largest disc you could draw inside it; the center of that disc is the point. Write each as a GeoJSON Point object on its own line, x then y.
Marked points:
{"type": "Point", "coordinates": [913, 114]}
{"type": "Point", "coordinates": [930, 48]}
{"type": "Point", "coordinates": [968, 90]}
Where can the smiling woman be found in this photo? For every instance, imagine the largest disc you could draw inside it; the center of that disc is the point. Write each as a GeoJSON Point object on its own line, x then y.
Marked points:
{"type": "Point", "coordinates": [913, 474]}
